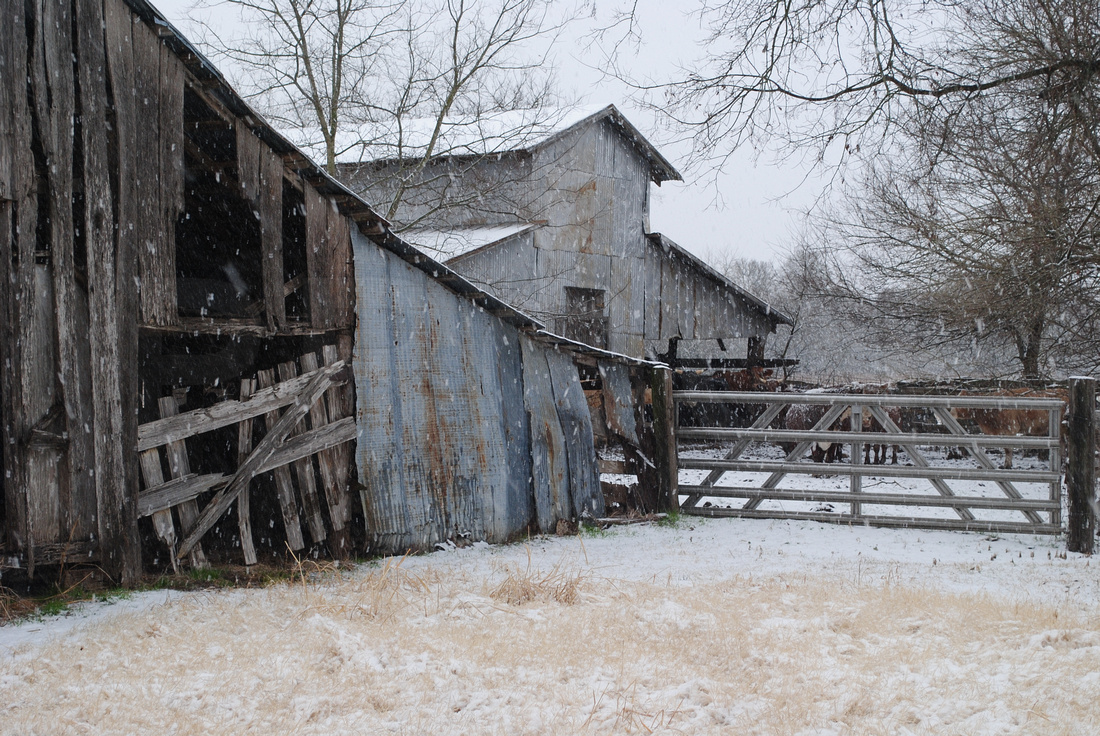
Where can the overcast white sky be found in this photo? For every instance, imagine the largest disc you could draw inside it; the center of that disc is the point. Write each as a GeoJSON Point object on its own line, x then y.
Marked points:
{"type": "Point", "coordinates": [751, 209]}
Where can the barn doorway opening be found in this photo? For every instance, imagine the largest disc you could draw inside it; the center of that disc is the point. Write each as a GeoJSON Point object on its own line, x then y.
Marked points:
{"type": "Point", "coordinates": [218, 254]}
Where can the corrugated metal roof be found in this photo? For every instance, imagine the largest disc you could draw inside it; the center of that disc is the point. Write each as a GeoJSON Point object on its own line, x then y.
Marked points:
{"type": "Point", "coordinates": [460, 241]}
{"type": "Point", "coordinates": [498, 133]}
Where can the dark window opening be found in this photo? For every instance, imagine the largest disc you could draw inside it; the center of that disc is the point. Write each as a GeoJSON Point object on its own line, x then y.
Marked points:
{"type": "Point", "coordinates": [296, 283]}
{"type": "Point", "coordinates": [584, 319]}
{"type": "Point", "coordinates": [218, 252]}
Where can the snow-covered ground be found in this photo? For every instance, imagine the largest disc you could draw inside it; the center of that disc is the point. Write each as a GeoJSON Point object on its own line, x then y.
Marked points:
{"type": "Point", "coordinates": [710, 626]}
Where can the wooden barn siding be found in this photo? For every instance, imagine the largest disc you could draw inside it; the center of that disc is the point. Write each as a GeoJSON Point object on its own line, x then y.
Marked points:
{"type": "Point", "coordinates": [682, 302]}
{"type": "Point", "coordinates": [448, 425]}
{"type": "Point", "coordinates": [328, 263]}
{"type": "Point", "coordinates": [70, 351]}
{"type": "Point", "coordinates": [154, 135]}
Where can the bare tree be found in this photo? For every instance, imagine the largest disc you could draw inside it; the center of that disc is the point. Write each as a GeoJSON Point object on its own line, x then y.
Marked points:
{"type": "Point", "coordinates": [811, 73]}
{"type": "Point", "coordinates": [408, 80]}
{"type": "Point", "coordinates": [986, 231]}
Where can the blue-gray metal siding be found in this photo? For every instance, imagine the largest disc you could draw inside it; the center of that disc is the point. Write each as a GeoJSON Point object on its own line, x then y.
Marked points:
{"type": "Point", "coordinates": [466, 426]}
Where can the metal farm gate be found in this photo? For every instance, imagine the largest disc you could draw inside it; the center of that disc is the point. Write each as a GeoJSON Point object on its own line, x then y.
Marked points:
{"type": "Point", "coordinates": [766, 472]}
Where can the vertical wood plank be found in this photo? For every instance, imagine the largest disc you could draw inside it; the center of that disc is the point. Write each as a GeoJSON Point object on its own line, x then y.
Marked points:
{"type": "Point", "coordinates": [127, 162]}
{"type": "Point", "coordinates": [1081, 466]}
{"type": "Point", "coordinates": [170, 145]}
{"type": "Point", "coordinates": [271, 235]}
{"type": "Point", "coordinates": [332, 479]}
{"type": "Point", "coordinates": [244, 504]}
{"type": "Point", "coordinates": [248, 162]}
{"type": "Point", "coordinates": [116, 478]}
{"type": "Point", "coordinates": [17, 222]}
{"type": "Point", "coordinates": [341, 276]}
{"type": "Point", "coordinates": [163, 525]}
{"type": "Point", "coordinates": [8, 85]}
{"type": "Point", "coordinates": [320, 289]}
{"type": "Point", "coordinates": [150, 232]}
{"type": "Point", "coordinates": [51, 94]}
{"type": "Point", "coordinates": [179, 466]}
{"type": "Point", "coordinates": [303, 469]}
{"type": "Point", "coordinates": [284, 485]}
{"type": "Point", "coordinates": [664, 431]}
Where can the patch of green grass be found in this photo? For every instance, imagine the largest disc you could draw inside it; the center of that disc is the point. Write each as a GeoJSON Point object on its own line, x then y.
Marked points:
{"type": "Point", "coordinates": [275, 577]}
{"type": "Point", "coordinates": [589, 529]}
{"type": "Point", "coordinates": [206, 575]}
{"type": "Point", "coordinates": [672, 520]}
{"type": "Point", "coordinates": [51, 607]}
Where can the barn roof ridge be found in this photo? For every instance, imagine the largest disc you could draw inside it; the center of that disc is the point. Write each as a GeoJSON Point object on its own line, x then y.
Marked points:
{"type": "Point", "coordinates": [525, 138]}
{"type": "Point", "coordinates": [661, 169]}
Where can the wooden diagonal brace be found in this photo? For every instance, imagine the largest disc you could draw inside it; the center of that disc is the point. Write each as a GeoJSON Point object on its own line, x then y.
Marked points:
{"type": "Point", "coordinates": [264, 450]}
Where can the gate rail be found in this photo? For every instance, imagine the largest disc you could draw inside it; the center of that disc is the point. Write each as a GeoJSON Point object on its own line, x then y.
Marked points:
{"type": "Point", "coordinates": [1041, 515]}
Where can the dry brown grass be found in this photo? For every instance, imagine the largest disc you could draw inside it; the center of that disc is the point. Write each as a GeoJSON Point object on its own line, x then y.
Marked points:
{"type": "Point", "coordinates": [530, 585]}
{"type": "Point", "coordinates": [558, 650]}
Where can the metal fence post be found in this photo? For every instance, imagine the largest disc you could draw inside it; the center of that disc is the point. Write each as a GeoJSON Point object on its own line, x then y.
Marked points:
{"type": "Point", "coordinates": [1080, 465]}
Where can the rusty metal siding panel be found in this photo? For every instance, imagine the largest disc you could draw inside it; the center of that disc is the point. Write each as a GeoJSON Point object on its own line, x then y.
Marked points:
{"type": "Point", "coordinates": [375, 387]}
{"type": "Point", "coordinates": [549, 467]}
{"type": "Point", "coordinates": [507, 270]}
{"type": "Point", "coordinates": [378, 413]}
{"type": "Point", "coordinates": [618, 400]}
{"type": "Point", "coordinates": [576, 424]}
{"type": "Point", "coordinates": [513, 500]}
{"type": "Point", "coordinates": [444, 442]}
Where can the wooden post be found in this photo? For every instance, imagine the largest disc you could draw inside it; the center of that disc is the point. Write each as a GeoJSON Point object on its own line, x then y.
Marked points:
{"type": "Point", "coordinates": [244, 507]}
{"type": "Point", "coordinates": [284, 484]}
{"type": "Point", "coordinates": [180, 466]}
{"type": "Point", "coordinates": [303, 469]}
{"type": "Point", "coordinates": [664, 432]}
{"type": "Point", "coordinates": [1080, 467]}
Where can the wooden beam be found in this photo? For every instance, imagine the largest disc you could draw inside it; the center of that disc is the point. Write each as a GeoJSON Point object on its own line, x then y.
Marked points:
{"type": "Point", "coordinates": [1081, 466]}
{"type": "Point", "coordinates": [160, 498]}
{"type": "Point", "coordinates": [264, 400]}
{"type": "Point", "coordinates": [276, 436]}
{"type": "Point", "coordinates": [244, 504]}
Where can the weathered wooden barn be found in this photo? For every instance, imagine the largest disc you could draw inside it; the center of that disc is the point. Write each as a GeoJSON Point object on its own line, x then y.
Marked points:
{"type": "Point", "coordinates": [560, 229]}
{"type": "Point", "coordinates": [179, 311]}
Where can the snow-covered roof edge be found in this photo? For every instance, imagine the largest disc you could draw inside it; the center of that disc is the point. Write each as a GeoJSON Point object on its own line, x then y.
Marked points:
{"type": "Point", "coordinates": [770, 312]}
{"type": "Point", "coordinates": [476, 238]}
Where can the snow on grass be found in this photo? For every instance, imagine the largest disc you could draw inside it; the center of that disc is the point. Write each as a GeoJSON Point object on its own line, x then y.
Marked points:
{"type": "Point", "coordinates": [711, 626]}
